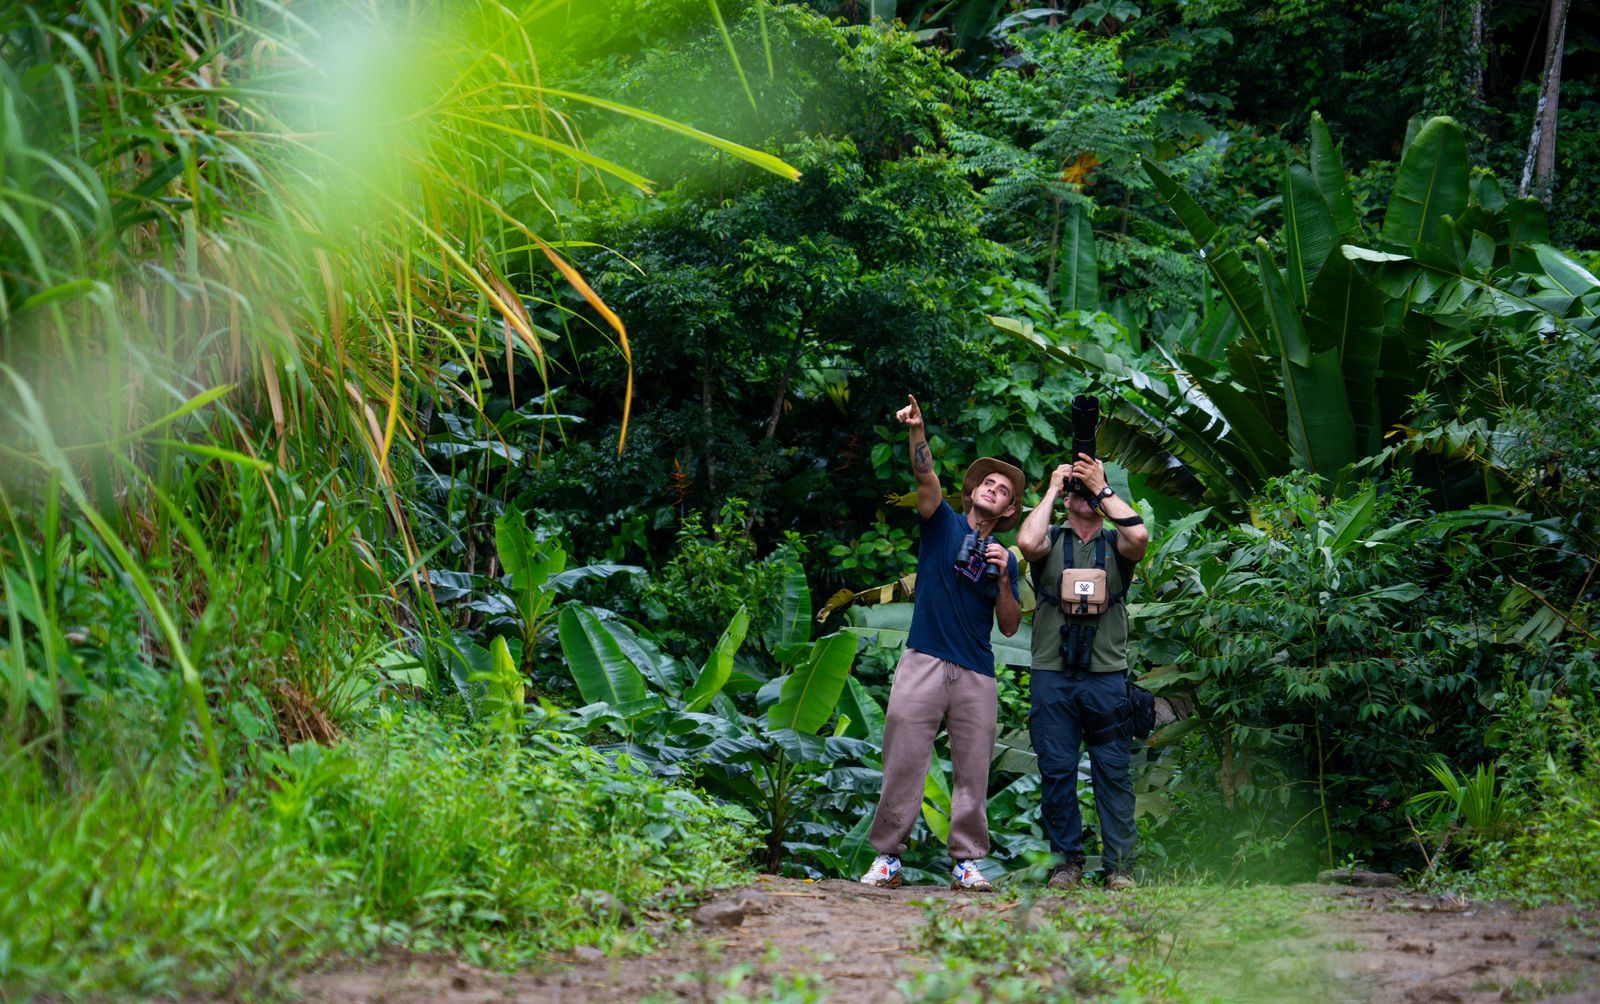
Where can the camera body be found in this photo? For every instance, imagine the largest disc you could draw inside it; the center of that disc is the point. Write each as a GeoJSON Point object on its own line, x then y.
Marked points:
{"type": "Point", "coordinates": [1085, 427]}
{"type": "Point", "coordinates": [972, 560]}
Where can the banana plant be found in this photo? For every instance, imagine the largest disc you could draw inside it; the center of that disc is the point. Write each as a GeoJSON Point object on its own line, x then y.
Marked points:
{"type": "Point", "coordinates": [1334, 346]}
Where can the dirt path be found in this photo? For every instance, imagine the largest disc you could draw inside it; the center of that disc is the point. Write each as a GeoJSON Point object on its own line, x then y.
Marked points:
{"type": "Point", "coordinates": [855, 944]}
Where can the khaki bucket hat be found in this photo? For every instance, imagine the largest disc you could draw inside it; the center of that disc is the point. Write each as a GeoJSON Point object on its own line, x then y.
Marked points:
{"type": "Point", "coordinates": [982, 468]}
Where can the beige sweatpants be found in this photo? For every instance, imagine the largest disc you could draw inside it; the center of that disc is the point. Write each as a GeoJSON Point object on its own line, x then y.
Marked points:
{"type": "Point", "coordinates": [925, 692]}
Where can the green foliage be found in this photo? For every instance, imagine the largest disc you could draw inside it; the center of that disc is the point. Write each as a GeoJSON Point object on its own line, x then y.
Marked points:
{"type": "Point", "coordinates": [1291, 633]}
{"type": "Point", "coordinates": [881, 554]}
{"type": "Point", "coordinates": [414, 834]}
{"type": "Point", "coordinates": [710, 578]}
{"type": "Point", "coordinates": [1349, 340]}
{"type": "Point", "coordinates": [1553, 742]}
{"type": "Point", "coordinates": [1471, 806]}
{"type": "Point", "coordinates": [458, 838]}
{"type": "Point", "coordinates": [1055, 145]}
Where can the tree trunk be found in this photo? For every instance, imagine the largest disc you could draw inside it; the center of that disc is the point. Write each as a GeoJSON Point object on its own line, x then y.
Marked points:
{"type": "Point", "coordinates": [783, 381]}
{"type": "Point", "coordinates": [710, 424]}
{"type": "Point", "coordinates": [1538, 170]}
{"type": "Point", "coordinates": [1475, 54]}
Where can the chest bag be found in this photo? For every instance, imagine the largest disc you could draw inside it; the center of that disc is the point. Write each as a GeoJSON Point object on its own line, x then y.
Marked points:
{"type": "Point", "coordinates": [1083, 592]}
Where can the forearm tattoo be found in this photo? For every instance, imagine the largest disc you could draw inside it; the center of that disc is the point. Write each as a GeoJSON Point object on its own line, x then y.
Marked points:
{"type": "Point", "coordinates": [921, 459]}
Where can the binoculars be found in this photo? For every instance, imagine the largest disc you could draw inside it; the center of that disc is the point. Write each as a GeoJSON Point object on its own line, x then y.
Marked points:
{"type": "Point", "coordinates": [972, 559]}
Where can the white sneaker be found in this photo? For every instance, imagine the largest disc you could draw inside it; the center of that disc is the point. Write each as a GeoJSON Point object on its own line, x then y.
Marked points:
{"type": "Point", "coordinates": [884, 873]}
{"type": "Point", "coordinates": [966, 876]}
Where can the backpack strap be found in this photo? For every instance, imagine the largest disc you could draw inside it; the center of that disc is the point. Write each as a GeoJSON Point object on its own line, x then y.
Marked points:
{"type": "Point", "coordinates": [1038, 567]}
{"type": "Point", "coordinates": [1103, 544]}
{"type": "Point", "coordinates": [1108, 538]}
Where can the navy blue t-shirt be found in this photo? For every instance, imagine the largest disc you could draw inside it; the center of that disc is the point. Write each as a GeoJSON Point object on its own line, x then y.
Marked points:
{"type": "Point", "coordinates": [953, 613]}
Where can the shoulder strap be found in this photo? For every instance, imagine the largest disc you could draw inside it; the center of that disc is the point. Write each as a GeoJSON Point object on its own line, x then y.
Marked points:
{"type": "Point", "coordinates": [1038, 567]}
{"type": "Point", "coordinates": [1108, 539]}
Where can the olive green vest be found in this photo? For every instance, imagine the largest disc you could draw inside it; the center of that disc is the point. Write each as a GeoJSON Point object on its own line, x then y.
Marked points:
{"type": "Point", "coordinates": [1110, 653]}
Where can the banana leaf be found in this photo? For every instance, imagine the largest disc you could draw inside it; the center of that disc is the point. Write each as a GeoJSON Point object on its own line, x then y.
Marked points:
{"type": "Point", "coordinates": [794, 607]}
{"type": "Point", "coordinates": [1013, 754]}
{"type": "Point", "coordinates": [595, 660]}
{"type": "Point", "coordinates": [890, 623]}
{"type": "Point", "coordinates": [1242, 293]}
{"type": "Point", "coordinates": [1331, 181]}
{"type": "Point", "coordinates": [1431, 184]}
{"type": "Point", "coordinates": [1079, 274]}
{"type": "Point", "coordinates": [719, 665]}
{"type": "Point", "coordinates": [811, 692]}
{"type": "Point", "coordinates": [1347, 312]}
{"type": "Point", "coordinates": [1309, 233]}
{"type": "Point", "coordinates": [866, 715]}
{"type": "Point", "coordinates": [1263, 444]}
{"type": "Point", "coordinates": [936, 800]}
{"type": "Point", "coordinates": [1320, 428]}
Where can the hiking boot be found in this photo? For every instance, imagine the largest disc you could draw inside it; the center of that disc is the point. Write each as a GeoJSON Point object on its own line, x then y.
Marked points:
{"type": "Point", "coordinates": [884, 873]}
{"type": "Point", "coordinates": [1119, 881]}
{"type": "Point", "coordinates": [966, 876]}
{"type": "Point", "coordinates": [1066, 876]}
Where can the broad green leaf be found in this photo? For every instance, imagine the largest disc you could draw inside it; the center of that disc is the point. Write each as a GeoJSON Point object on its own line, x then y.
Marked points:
{"type": "Point", "coordinates": [1328, 172]}
{"type": "Point", "coordinates": [1079, 274]}
{"type": "Point", "coordinates": [513, 542]}
{"type": "Point", "coordinates": [572, 576]}
{"type": "Point", "coordinates": [1320, 428]}
{"type": "Point", "coordinates": [936, 800]}
{"type": "Point", "coordinates": [1566, 274]}
{"type": "Point", "coordinates": [1346, 311]}
{"type": "Point", "coordinates": [802, 748]}
{"type": "Point", "coordinates": [1309, 233]}
{"type": "Point", "coordinates": [1013, 754]}
{"type": "Point", "coordinates": [1357, 516]}
{"type": "Point", "coordinates": [864, 712]}
{"type": "Point", "coordinates": [812, 691]}
{"type": "Point", "coordinates": [504, 688]}
{"type": "Point", "coordinates": [595, 660]}
{"type": "Point", "coordinates": [719, 665]}
{"type": "Point", "coordinates": [1264, 444]}
{"type": "Point", "coordinates": [888, 624]}
{"type": "Point", "coordinates": [1431, 184]}
{"type": "Point", "coordinates": [660, 668]}
{"type": "Point", "coordinates": [855, 850]}
{"type": "Point", "coordinates": [794, 607]}
{"type": "Point", "coordinates": [1242, 293]}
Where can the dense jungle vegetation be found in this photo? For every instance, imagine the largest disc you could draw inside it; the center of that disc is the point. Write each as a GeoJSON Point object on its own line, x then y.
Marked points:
{"type": "Point", "coordinates": [451, 498]}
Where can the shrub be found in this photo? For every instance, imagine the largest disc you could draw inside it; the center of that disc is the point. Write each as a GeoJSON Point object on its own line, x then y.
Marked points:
{"type": "Point", "coordinates": [1557, 740]}
{"type": "Point", "coordinates": [410, 834]}
{"type": "Point", "coordinates": [468, 838]}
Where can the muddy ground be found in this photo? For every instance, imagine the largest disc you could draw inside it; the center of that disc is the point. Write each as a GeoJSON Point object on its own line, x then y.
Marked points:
{"type": "Point", "coordinates": [1346, 945]}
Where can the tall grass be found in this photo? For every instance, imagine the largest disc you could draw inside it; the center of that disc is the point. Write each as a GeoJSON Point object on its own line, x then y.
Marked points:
{"type": "Point", "coordinates": [155, 882]}
{"type": "Point", "coordinates": [243, 246]}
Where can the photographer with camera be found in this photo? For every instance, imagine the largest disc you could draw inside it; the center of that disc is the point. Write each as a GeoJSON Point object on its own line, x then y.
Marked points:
{"type": "Point", "coordinates": [965, 581]}
{"type": "Point", "coordinates": [1080, 691]}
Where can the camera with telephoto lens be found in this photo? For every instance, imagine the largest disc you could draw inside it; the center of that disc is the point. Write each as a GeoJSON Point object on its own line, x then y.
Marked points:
{"type": "Point", "coordinates": [1085, 424]}
{"type": "Point", "coordinates": [972, 560]}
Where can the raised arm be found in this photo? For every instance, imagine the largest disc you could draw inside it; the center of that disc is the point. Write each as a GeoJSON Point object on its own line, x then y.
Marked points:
{"type": "Point", "coordinates": [1033, 539]}
{"type": "Point", "coordinates": [929, 494]}
{"type": "Point", "coordinates": [1133, 537]}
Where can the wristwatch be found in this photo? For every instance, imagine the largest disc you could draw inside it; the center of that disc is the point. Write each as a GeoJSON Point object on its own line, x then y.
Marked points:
{"type": "Point", "coordinates": [1105, 493]}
